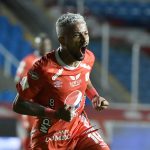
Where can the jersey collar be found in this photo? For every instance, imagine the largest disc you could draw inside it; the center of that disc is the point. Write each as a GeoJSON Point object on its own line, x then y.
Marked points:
{"type": "Point", "coordinates": [61, 62]}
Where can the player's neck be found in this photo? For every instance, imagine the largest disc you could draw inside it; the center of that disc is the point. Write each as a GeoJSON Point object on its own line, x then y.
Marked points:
{"type": "Point", "coordinates": [66, 58]}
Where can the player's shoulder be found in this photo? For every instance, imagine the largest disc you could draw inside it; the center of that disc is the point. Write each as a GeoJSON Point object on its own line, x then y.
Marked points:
{"type": "Point", "coordinates": [50, 55]}
{"type": "Point", "coordinates": [89, 56]}
{"type": "Point", "coordinates": [45, 60]}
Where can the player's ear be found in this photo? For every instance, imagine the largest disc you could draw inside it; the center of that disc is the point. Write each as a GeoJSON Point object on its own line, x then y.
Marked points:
{"type": "Point", "coordinates": [61, 40]}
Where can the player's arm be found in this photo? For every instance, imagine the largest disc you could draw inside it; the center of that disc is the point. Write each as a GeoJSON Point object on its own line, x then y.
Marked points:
{"type": "Point", "coordinates": [27, 107]}
{"type": "Point", "coordinates": [98, 102]}
{"type": "Point", "coordinates": [28, 88]}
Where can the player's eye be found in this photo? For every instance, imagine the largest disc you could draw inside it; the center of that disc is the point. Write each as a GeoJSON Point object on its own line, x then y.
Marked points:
{"type": "Point", "coordinates": [76, 35]}
{"type": "Point", "coordinates": [86, 33]}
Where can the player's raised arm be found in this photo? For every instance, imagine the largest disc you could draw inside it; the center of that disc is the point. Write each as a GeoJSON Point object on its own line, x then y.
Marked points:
{"type": "Point", "coordinates": [98, 102]}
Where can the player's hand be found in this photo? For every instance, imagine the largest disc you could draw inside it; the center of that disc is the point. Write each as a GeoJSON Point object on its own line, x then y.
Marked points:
{"type": "Point", "coordinates": [99, 103]}
{"type": "Point", "coordinates": [66, 113]}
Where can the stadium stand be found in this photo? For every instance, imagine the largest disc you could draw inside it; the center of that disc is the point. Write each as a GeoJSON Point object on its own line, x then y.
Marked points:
{"type": "Point", "coordinates": [117, 57]}
{"type": "Point", "coordinates": [12, 38]}
{"type": "Point", "coordinates": [120, 67]}
{"type": "Point", "coordinates": [118, 13]}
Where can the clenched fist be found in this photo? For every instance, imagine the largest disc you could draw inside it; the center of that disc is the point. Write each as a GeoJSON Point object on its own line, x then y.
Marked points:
{"type": "Point", "coordinates": [99, 103]}
{"type": "Point", "coordinates": [66, 113]}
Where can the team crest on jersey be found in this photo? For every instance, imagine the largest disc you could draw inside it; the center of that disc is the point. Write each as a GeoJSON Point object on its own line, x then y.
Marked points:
{"type": "Point", "coordinates": [33, 75]}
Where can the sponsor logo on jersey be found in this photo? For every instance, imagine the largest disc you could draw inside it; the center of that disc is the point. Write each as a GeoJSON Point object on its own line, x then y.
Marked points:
{"type": "Point", "coordinates": [75, 77]}
{"type": "Point", "coordinates": [54, 77]}
{"type": "Point", "coordinates": [61, 135]}
{"type": "Point", "coordinates": [45, 125]}
{"type": "Point", "coordinates": [33, 75]}
{"type": "Point", "coordinates": [76, 81]}
{"type": "Point", "coordinates": [74, 99]}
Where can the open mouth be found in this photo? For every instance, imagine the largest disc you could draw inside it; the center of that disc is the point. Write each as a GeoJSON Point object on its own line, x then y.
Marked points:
{"type": "Point", "coordinates": [83, 49]}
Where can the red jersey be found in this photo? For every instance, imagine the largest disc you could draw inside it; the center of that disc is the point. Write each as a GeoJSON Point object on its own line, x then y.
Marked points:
{"type": "Point", "coordinates": [24, 66]}
{"type": "Point", "coordinates": [50, 80]}
{"type": "Point", "coordinates": [22, 71]}
{"type": "Point", "coordinates": [49, 83]}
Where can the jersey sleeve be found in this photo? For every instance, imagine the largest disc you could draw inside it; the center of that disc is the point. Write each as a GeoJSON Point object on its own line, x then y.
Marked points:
{"type": "Point", "coordinates": [21, 71]}
{"type": "Point", "coordinates": [31, 84]}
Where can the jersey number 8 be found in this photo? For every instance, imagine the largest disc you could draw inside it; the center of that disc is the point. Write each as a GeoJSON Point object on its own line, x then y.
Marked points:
{"type": "Point", "coordinates": [51, 103]}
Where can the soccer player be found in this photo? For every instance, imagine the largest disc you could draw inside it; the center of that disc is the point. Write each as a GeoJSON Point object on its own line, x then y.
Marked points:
{"type": "Point", "coordinates": [42, 44]}
{"type": "Point", "coordinates": [57, 83]}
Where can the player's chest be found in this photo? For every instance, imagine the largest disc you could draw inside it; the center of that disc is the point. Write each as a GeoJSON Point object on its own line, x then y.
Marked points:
{"type": "Point", "coordinates": [68, 79]}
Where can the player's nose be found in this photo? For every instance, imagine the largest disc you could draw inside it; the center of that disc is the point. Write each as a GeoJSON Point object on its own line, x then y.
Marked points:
{"type": "Point", "coordinates": [84, 39]}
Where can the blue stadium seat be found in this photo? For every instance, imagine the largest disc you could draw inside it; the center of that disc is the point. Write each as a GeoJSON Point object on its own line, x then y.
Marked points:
{"type": "Point", "coordinates": [87, 101]}
{"type": "Point", "coordinates": [4, 22]}
{"type": "Point", "coordinates": [13, 70]}
{"type": "Point", "coordinates": [12, 38]}
{"type": "Point", "coordinates": [120, 67]}
{"type": "Point", "coordinates": [7, 96]}
{"type": "Point", "coordinates": [25, 48]}
{"type": "Point", "coordinates": [1, 61]}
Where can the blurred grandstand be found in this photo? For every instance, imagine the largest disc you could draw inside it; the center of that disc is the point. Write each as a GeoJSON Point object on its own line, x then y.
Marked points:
{"type": "Point", "coordinates": [120, 39]}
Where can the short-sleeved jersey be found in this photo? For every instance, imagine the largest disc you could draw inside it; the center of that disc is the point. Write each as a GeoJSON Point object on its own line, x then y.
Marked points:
{"type": "Point", "coordinates": [49, 82]}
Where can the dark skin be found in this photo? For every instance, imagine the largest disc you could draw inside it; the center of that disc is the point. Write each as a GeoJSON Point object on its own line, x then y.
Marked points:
{"type": "Point", "coordinates": [73, 40]}
{"type": "Point", "coordinates": [21, 106]}
{"type": "Point", "coordinates": [33, 109]}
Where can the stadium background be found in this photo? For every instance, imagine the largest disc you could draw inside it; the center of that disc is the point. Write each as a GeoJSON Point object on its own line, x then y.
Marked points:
{"type": "Point", "coordinates": [120, 39]}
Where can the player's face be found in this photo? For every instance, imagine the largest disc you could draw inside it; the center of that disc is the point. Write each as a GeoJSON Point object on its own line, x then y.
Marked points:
{"type": "Point", "coordinates": [44, 46]}
{"type": "Point", "coordinates": [76, 40]}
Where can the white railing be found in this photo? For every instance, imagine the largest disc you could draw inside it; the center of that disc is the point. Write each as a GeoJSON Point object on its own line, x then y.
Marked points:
{"type": "Point", "coordinates": [9, 60]}
{"type": "Point", "coordinates": [139, 39]}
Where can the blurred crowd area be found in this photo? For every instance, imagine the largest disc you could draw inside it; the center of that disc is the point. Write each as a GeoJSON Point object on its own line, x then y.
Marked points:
{"type": "Point", "coordinates": [119, 37]}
